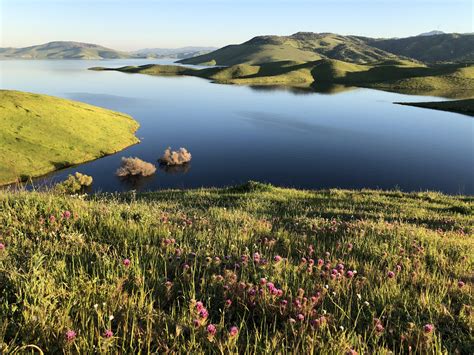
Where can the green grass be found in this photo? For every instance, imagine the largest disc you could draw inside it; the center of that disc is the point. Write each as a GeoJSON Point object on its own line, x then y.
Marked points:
{"type": "Point", "coordinates": [465, 107]}
{"type": "Point", "coordinates": [447, 80]}
{"type": "Point", "coordinates": [61, 273]}
{"type": "Point", "coordinates": [40, 134]}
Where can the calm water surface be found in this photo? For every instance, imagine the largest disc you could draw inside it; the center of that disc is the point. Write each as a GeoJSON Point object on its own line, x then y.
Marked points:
{"type": "Point", "coordinates": [353, 139]}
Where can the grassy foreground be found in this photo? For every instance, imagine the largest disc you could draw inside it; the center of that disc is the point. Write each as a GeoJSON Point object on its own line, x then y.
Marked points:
{"type": "Point", "coordinates": [449, 80]}
{"type": "Point", "coordinates": [465, 107]}
{"type": "Point", "coordinates": [247, 269]}
{"type": "Point", "coordinates": [40, 134]}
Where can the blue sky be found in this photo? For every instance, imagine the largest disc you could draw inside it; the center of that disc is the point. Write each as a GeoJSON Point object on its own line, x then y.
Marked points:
{"type": "Point", "coordinates": [135, 24]}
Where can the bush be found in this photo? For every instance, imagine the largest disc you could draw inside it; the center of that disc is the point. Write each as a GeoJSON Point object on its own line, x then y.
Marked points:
{"type": "Point", "coordinates": [182, 156]}
{"type": "Point", "coordinates": [74, 183]}
{"type": "Point", "coordinates": [135, 167]}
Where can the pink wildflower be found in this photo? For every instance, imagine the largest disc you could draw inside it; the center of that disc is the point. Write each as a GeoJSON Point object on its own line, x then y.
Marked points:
{"type": "Point", "coordinates": [126, 262]}
{"type": "Point", "coordinates": [211, 329]}
{"type": "Point", "coordinates": [108, 333]}
{"type": "Point", "coordinates": [391, 274]}
{"type": "Point", "coordinates": [233, 331]}
{"type": "Point", "coordinates": [70, 335]}
{"type": "Point", "coordinates": [428, 328]}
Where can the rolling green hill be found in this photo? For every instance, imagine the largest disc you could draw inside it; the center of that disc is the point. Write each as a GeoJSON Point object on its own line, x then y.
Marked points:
{"type": "Point", "coordinates": [40, 134]}
{"type": "Point", "coordinates": [306, 47]}
{"type": "Point", "coordinates": [302, 47]}
{"type": "Point", "coordinates": [449, 80]}
{"type": "Point", "coordinates": [435, 48]}
{"type": "Point", "coordinates": [63, 50]}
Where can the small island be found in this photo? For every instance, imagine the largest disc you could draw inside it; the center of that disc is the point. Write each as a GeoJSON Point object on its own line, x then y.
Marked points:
{"type": "Point", "coordinates": [40, 134]}
{"type": "Point", "coordinates": [465, 107]}
{"type": "Point", "coordinates": [403, 76]}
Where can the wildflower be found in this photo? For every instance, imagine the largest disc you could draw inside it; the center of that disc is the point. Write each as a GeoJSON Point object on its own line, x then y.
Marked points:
{"type": "Point", "coordinates": [428, 328]}
{"type": "Point", "coordinates": [351, 352]}
{"type": "Point", "coordinates": [256, 257]}
{"type": "Point", "coordinates": [70, 335]}
{"type": "Point", "coordinates": [341, 327]}
{"type": "Point", "coordinates": [196, 323]}
{"type": "Point", "coordinates": [66, 214]}
{"type": "Point", "coordinates": [292, 320]}
{"type": "Point", "coordinates": [277, 258]}
{"type": "Point", "coordinates": [211, 329]}
{"type": "Point", "coordinates": [168, 284]}
{"type": "Point", "coordinates": [203, 313]}
{"type": "Point", "coordinates": [111, 317]}
{"type": "Point", "coordinates": [284, 303]}
{"type": "Point", "coordinates": [263, 281]}
{"type": "Point", "coordinates": [460, 283]}
{"type": "Point", "coordinates": [359, 296]}
{"type": "Point", "coordinates": [228, 303]}
{"type": "Point", "coordinates": [350, 274]}
{"type": "Point", "coordinates": [2, 246]}
{"type": "Point", "coordinates": [52, 219]}
{"type": "Point", "coordinates": [199, 305]}
{"type": "Point", "coordinates": [126, 262]}
{"type": "Point", "coordinates": [379, 328]}
{"type": "Point", "coordinates": [108, 333]}
{"type": "Point", "coordinates": [300, 317]}
{"type": "Point", "coordinates": [391, 274]}
{"type": "Point", "coordinates": [233, 331]}
{"type": "Point", "coordinates": [350, 246]}
{"type": "Point", "coordinates": [367, 303]}
{"type": "Point", "coordinates": [320, 262]}
{"type": "Point", "coordinates": [96, 306]}
{"type": "Point", "coordinates": [399, 268]}
{"type": "Point", "coordinates": [340, 267]}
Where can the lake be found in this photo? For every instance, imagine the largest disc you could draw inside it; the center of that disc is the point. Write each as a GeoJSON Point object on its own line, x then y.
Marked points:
{"type": "Point", "coordinates": [352, 139]}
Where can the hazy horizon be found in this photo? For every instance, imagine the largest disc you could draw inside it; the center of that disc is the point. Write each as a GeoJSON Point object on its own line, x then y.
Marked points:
{"type": "Point", "coordinates": [216, 23]}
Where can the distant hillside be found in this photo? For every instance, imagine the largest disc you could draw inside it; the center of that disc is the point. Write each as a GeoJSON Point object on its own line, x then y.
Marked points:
{"type": "Point", "coordinates": [178, 53]}
{"type": "Point", "coordinates": [301, 47]}
{"type": "Point", "coordinates": [451, 47]}
{"type": "Point", "coordinates": [432, 33]}
{"type": "Point", "coordinates": [306, 47]}
{"type": "Point", "coordinates": [63, 50]}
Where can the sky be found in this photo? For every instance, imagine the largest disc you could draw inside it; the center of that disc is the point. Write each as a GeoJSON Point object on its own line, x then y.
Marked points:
{"type": "Point", "coordinates": [135, 24]}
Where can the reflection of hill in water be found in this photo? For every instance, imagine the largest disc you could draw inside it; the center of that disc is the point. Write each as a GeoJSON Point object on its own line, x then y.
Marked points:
{"type": "Point", "coordinates": [320, 88]}
{"type": "Point", "coordinates": [175, 169]}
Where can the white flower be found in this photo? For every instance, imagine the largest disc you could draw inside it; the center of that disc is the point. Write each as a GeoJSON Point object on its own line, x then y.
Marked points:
{"type": "Point", "coordinates": [334, 293]}
{"type": "Point", "coordinates": [359, 296]}
{"type": "Point", "coordinates": [96, 306]}
{"type": "Point", "coordinates": [111, 317]}
{"type": "Point", "coordinates": [341, 327]}
{"type": "Point", "coordinates": [324, 311]}
{"type": "Point", "coordinates": [367, 303]}
{"type": "Point", "coordinates": [104, 304]}
{"type": "Point", "coordinates": [327, 286]}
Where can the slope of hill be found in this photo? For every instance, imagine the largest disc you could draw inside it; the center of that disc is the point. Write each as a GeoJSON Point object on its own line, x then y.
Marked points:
{"type": "Point", "coordinates": [305, 47]}
{"type": "Point", "coordinates": [451, 47]}
{"type": "Point", "coordinates": [449, 80]}
{"type": "Point", "coordinates": [63, 50]}
{"type": "Point", "coordinates": [302, 47]}
{"type": "Point", "coordinates": [40, 134]}
{"type": "Point", "coordinates": [249, 269]}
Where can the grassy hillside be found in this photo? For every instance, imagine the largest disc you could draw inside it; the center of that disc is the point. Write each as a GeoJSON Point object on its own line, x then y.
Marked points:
{"type": "Point", "coordinates": [450, 80]}
{"type": "Point", "coordinates": [465, 107]}
{"type": "Point", "coordinates": [306, 47]}
{"type": "Point", "coordinates": [293, 271]}
{"type": "Point", "coordinates": [301, 47]}
{"type": "Point", "coordinates": [40, 133]}
{"type": "Point", "coordinates": [436, 48]}
{"type": "Point", "coordinates": [63, 50]}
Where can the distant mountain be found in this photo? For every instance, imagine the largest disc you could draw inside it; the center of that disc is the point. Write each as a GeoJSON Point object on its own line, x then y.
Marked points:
{"type": "Point", "coordinates": [305, 47]}
{"type": "Point", "coordinates": [63, 50]}
{"type": "Point", "coordinates": [431, 33]}
{"type": "Point", "coordinates": [447, 47]}
{"type": "Point", "coordinates": [179, 53]}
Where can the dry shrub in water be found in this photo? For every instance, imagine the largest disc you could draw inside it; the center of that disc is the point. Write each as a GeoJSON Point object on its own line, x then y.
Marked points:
{"type": "Point", "coordinates": [182, 156]}
{"type": "Point", "coordinates": [135, 167]}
